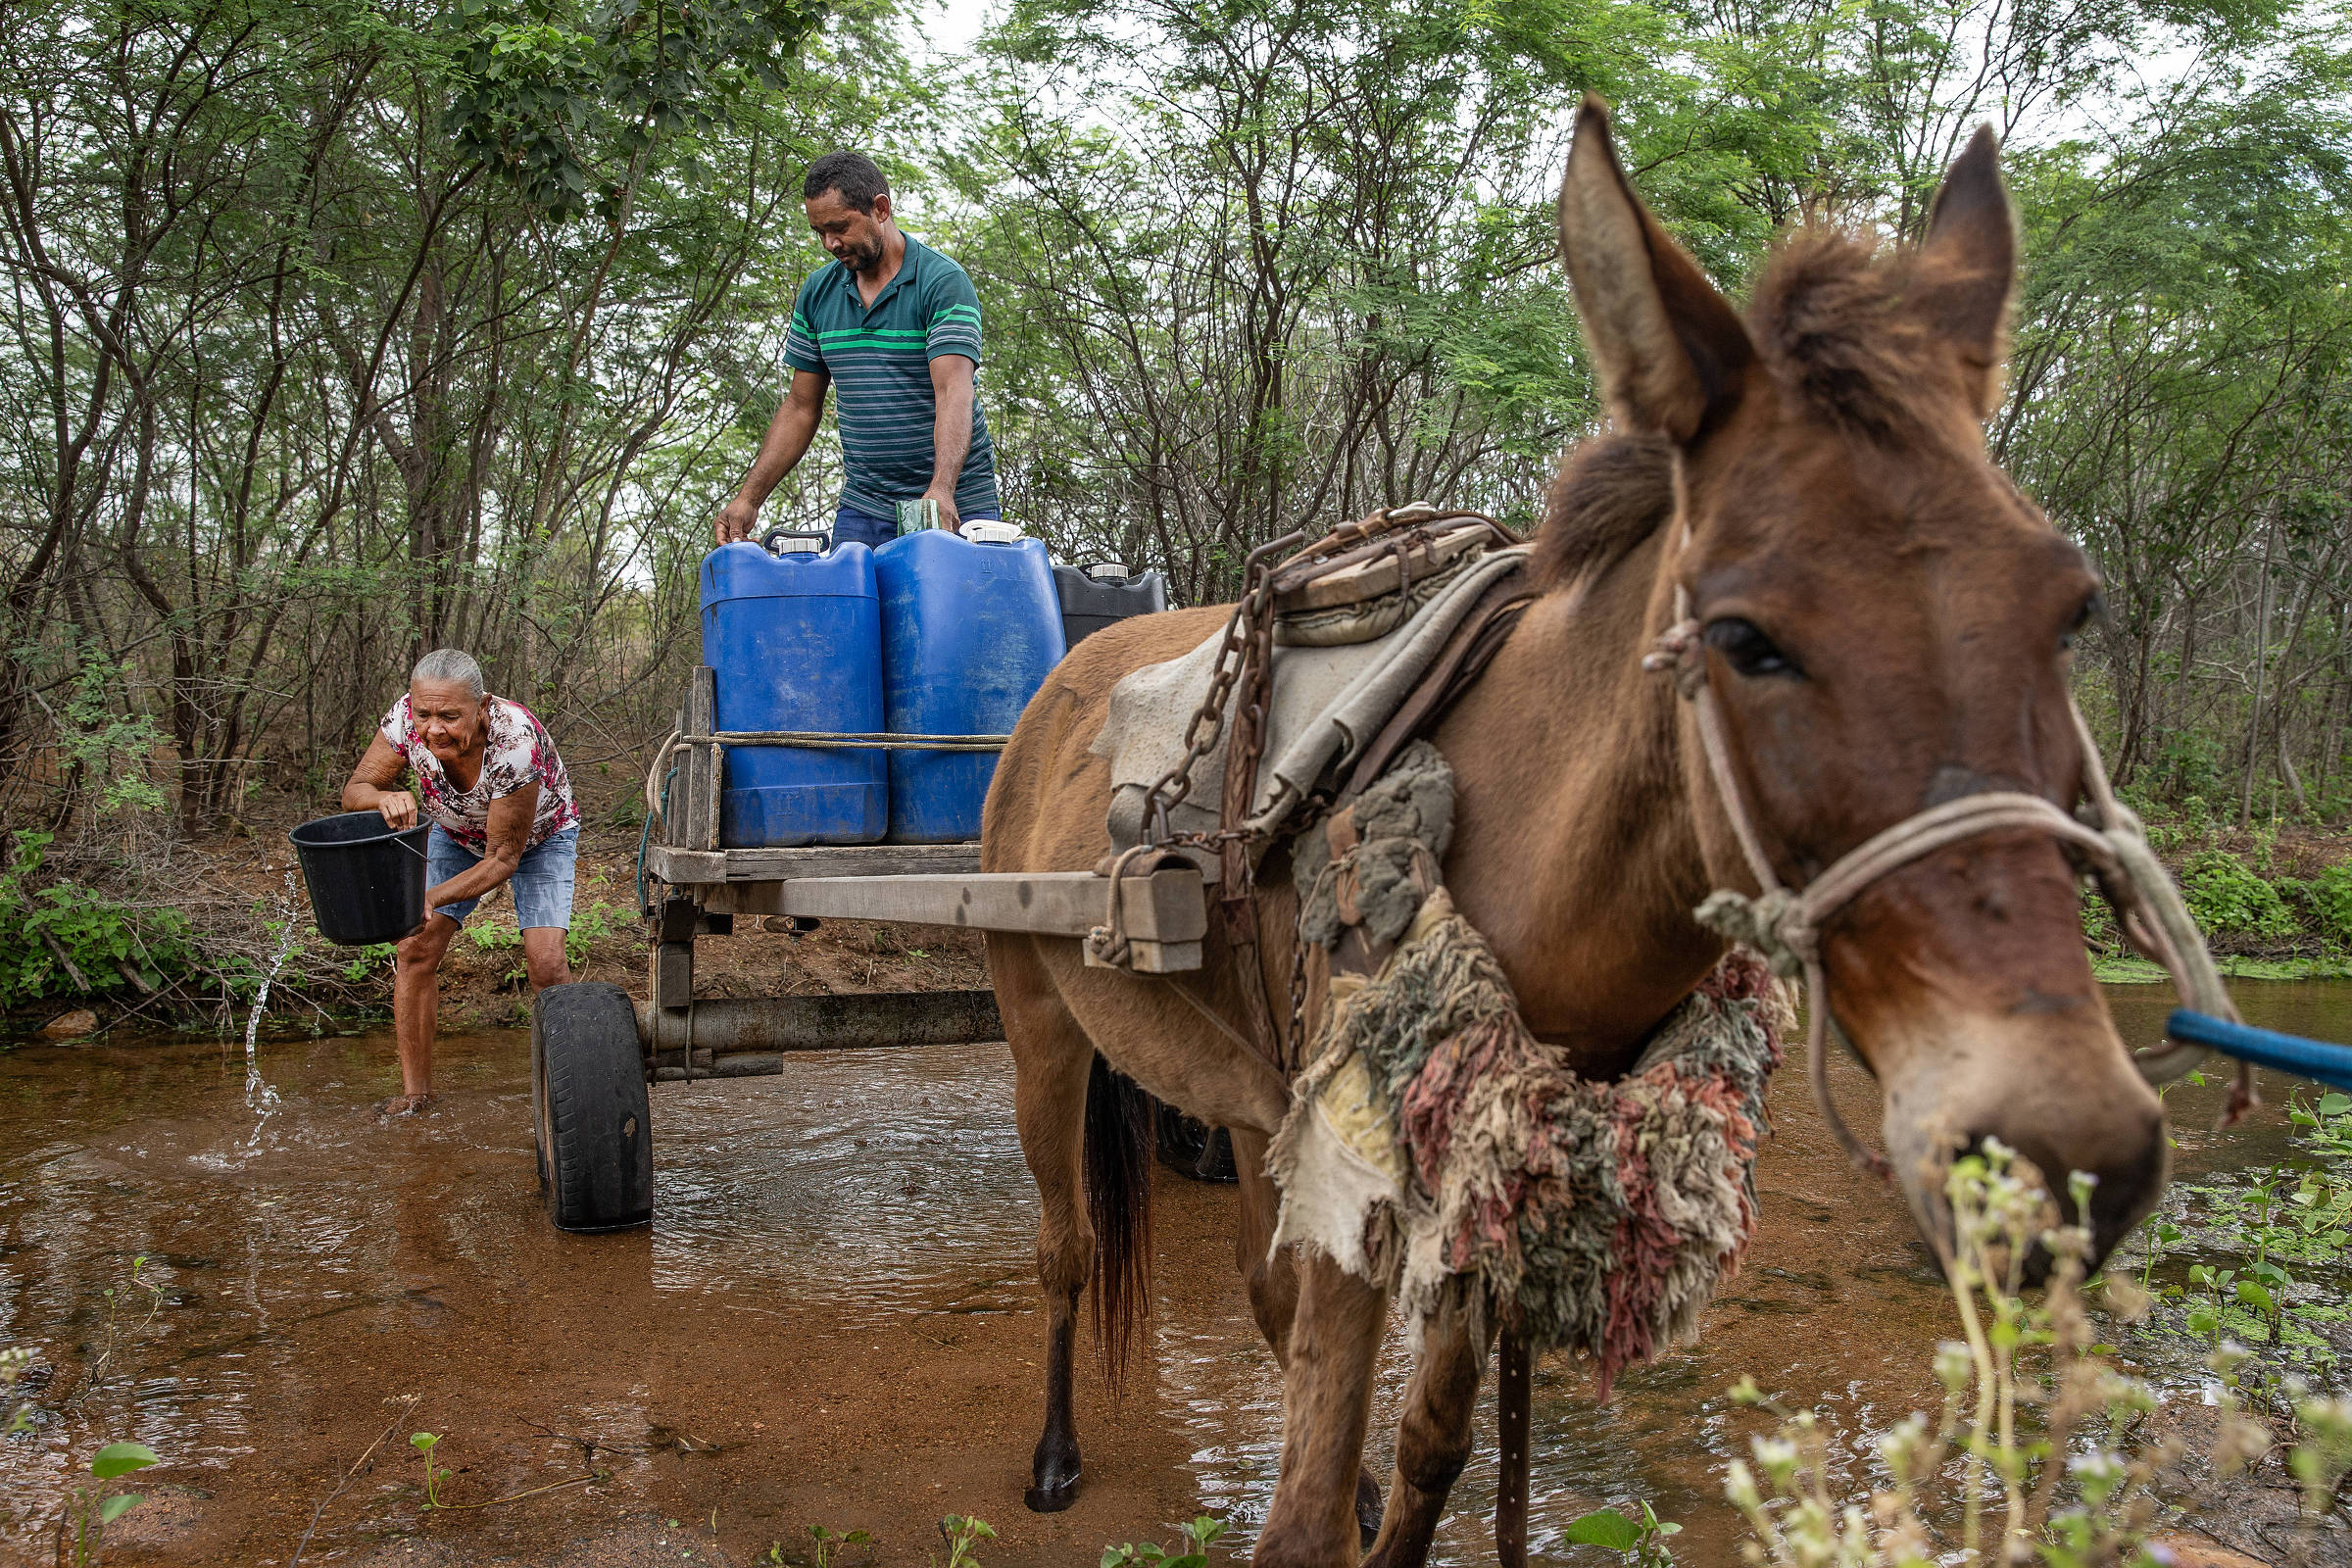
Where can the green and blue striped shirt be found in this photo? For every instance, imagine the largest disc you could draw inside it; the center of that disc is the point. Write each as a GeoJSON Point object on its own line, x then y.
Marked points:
{"type": "Point", "coordinates": [880, 361]}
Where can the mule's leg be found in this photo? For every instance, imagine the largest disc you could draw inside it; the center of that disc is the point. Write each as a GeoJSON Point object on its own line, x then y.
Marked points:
{"type": "Point", "coordinates": [1433, 1440]}
{"type": "Point", "coordinates": [1273, 1279]}
{"type": "Point", "coordinates": [1052, 1057]}
{"type": "Point", "coordinates": [1334, 1342]}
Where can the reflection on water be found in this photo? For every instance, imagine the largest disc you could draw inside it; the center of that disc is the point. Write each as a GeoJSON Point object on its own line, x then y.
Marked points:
{"type": "Point", "coordinates": [774, 1187]}
{"type": "Point", "coordinates": [861, 1190]}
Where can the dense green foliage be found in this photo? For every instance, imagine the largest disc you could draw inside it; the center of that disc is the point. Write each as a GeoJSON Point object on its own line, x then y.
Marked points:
{"type": "Point", "coordinates": [2227, 898]}
{"type": "Point", "coordinates": [335, 334]}
{"type": "Point", "coordinates": [2328, 896]}
{"type": "Point", "coordinates": [61, 939]}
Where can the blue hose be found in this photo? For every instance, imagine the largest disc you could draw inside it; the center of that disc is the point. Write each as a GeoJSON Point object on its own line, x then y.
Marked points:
{"type": "Point", "coordinates": [2265, 1047]}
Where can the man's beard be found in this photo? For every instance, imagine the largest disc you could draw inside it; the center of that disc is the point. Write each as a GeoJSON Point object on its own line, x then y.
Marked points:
{"type": "Point", "coordinates": [864, 257]}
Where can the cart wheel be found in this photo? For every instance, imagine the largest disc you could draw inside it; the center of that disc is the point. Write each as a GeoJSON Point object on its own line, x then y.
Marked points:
{"type": "Point", "coordinates": [1193, 1147]}
{"type": "Point", "coordinates": [589, 1115]}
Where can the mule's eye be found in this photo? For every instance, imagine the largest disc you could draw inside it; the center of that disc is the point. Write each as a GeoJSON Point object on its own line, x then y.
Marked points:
{"type": "Point", "coordinates": [1747, 649]}
{"type": "Point", "coordinates": [2093, 609]}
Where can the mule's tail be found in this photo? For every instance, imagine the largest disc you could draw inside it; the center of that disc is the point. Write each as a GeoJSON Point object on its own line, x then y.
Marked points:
{"type": "Point", "coordinates": [1118, 1204]}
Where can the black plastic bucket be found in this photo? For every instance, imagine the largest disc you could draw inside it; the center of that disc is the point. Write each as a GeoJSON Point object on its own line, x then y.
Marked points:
{"type": "Point", "coordinates": [366, 882]}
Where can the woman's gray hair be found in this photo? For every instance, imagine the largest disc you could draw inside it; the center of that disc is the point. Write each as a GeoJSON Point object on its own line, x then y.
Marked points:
{"type": "Point", "coordinates": [450, 664]}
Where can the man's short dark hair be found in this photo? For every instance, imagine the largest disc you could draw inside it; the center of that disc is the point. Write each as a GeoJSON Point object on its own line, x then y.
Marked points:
{"type": "Point", "coordinates": [854, 174]}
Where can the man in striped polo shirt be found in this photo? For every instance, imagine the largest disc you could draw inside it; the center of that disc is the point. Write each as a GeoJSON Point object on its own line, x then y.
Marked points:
{"type": "Point", "coordinates": [896, 325]}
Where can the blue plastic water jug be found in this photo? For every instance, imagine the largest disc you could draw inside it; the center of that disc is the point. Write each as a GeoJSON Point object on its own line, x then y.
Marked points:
{"type": "Point", "coordinates": [796, 641]}
{"type": "Point", "coordinates": [971, 626]}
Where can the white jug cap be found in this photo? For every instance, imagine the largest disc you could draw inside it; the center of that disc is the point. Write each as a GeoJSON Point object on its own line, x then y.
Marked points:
{"type": "Point", "coordinates": [800, 544]}
{"type": "Point", "coordinates": [992, 531]}
{"type": "Point", "coordinates": [1106, 570]}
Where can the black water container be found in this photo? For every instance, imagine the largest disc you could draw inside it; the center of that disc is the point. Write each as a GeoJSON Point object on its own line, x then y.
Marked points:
{"type": "Point", "coordinates": [366, 882]}
{"type": "Point", "coordinates": [1096, 594]}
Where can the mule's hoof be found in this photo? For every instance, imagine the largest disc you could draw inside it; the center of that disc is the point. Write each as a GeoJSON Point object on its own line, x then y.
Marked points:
{"type": "Point", "coordinates": [1367, 1506]}
{"type": "Point", "coordinates": [1053, 1496]}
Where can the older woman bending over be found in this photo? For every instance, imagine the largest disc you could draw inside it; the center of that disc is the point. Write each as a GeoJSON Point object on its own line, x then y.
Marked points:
{"type": "Point", "coordinates": [488, 777]}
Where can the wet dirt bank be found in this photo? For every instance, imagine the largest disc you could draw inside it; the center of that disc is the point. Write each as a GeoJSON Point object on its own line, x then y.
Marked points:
{"type": "Point", "coordinates": [832, 1322]}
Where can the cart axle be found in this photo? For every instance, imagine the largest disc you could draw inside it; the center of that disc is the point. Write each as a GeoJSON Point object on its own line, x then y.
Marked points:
{"type": "Point", "coordinates": [745, 1037]}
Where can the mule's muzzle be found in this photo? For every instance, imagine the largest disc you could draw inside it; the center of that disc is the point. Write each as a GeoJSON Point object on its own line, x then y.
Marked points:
{"type": "Point", "coordinates": [2120, 1197]}
{"type": "Point", "coordinates": [2114, 1137]}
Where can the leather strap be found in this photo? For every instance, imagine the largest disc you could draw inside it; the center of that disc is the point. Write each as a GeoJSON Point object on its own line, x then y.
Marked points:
{"type": "Point", "coordinates": [1236, 900]}
{"type": "Point", "coordinates": [1515, 1403]}
{"type": "Point", "coordinates": [1464, 656]}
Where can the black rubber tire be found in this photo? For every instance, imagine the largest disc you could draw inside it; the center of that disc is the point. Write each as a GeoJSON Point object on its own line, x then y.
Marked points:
{"type": "Point", "coordinates": [1192, 1147]}
{"type": "Point", "coordinates": [589, 1113]}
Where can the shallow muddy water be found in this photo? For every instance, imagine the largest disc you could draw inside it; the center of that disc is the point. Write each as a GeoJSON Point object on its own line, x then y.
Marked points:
{"type": "Point", "coordinates": [833, 1319]}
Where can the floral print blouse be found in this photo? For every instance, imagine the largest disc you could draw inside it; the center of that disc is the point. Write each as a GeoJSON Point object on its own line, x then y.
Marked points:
{"type": "Point", "coordinates": [516, 751]}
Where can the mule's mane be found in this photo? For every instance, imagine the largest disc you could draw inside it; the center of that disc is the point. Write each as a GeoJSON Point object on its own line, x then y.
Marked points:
{"type": "Point", "coordinates": [1837, 320]}
{"type": "Point", "coordinates": [1829, 318]}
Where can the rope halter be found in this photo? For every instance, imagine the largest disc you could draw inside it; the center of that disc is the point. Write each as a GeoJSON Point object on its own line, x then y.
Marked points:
{"type": "Point", "coordinates": [1785, 924]}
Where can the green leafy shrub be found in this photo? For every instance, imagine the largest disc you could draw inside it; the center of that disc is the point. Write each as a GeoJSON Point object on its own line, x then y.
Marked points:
{"type": "Point", "coordinates": [2328, 898]}
{"type": "Point", "coordinates": [592, 923]}
{"type": "Point", "coordinates": [962, 1533]}
{"type": "Point", "coordinates": [81, 1534]}
{"type": "Point", "coordinates": [365, 960]}
{"type": "Point", "coordinates": [1199, 1536]}
{"type": "Point", "coordinates": [64, 939]}
{"type": "Point", "coordinates": [2227, 896]}
{"type": "Point", "coordinates": [108, 747]}
{"type": "Point", "coordinates": [488, 938]}
{"type": "Point", "coordinates": [2271, 1244]}
{"type": "Point", "coordinates": [425, 1443]}
{"type": "Point", "coordinates": [1640, 1543]}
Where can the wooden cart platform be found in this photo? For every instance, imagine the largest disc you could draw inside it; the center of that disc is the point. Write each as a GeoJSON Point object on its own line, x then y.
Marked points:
{"type": "Point", "coordinates": [595, 1053]}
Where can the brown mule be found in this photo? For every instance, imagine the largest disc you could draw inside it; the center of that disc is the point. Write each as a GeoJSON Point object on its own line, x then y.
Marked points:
{"type": "Point", "coordinates": [1886, 624]}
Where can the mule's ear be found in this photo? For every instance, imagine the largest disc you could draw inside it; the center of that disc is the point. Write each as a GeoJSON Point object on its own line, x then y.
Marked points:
{"type": "Point", "coordinates": [1672, 354]}
{"type": "Point", "coordinates": [1967, 266]}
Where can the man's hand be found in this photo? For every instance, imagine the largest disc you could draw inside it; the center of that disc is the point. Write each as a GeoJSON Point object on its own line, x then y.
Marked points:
{"type": "Point", "coordinates": [736, 520]}
{"type": "Point", "coordinates": [399, 810]}
{"type": "Point", "coordinates": [948, 518]}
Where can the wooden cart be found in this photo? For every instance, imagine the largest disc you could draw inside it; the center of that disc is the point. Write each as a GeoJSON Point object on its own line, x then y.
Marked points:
{"type": "Point", "coordinates": [594, 1052]}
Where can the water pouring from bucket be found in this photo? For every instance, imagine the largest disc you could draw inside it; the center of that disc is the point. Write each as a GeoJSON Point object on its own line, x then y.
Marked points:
{"type": "Point", "coordinates": [260, 1097]}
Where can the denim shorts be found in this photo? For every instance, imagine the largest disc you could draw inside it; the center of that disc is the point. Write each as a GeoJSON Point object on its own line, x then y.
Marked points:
{"type": "Point", "coordinates": [852, 522]}
{"type": "Point", "coordinates": [541, 884]}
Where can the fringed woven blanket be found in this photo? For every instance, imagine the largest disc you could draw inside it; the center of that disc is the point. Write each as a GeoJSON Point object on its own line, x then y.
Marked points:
{"type": "Point", "coordinates": [1433, 1139]}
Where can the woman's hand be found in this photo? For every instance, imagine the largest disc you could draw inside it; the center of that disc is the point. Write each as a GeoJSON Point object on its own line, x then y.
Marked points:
{"type": "Point", "coordinates": [509, 835]}
{"type": "Point", "coordinates": [371, 788]}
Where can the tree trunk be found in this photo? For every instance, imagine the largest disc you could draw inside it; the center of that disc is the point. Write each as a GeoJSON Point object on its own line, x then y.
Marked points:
{"type": "Point", "coordinates": [2262, 662]}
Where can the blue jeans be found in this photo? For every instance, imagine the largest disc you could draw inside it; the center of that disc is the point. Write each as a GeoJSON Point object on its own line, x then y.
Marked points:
{"type": "Point", "coordinates": [541, 885]}
{"type": "Point", "coordinates": [874, 532]}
